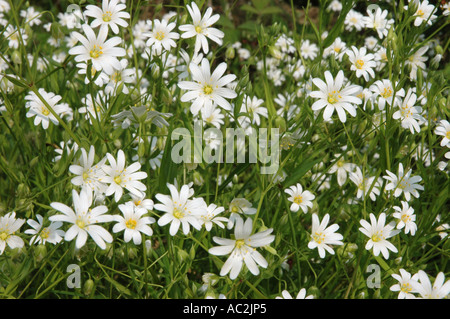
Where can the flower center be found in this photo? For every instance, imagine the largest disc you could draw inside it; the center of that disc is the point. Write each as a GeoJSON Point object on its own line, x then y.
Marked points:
{"type": "Point", "coordinates": [178, 213]}
{"type": "Point", "coordinates": [378, 236]}
{"type": "Point", "coordinates": [159, 35]}
{"type": "Point", "coordinates": [45, 233]}
{"type": "Point", "coordinates": [116, 77]}
{"type": "Point", "coordinates": [334, 97]}
{"type": "Point", "coordinates": [207, 89]}
{"type": "Point", "coordinates": [405, 218]}
{"type": "Point", "coordinates": [420, 12]}
{"type": "Point", "coordinates": [359, 64]}
{"type": "Point", "coordinates": [387, 92]}
{"type": "Point", "coordinates": [240, 243]}
{"type": "Point", "coordinates": [318, 237]}
{"type": "Point", "coordinates": [406, 287]}
{"type": "Point", "coordinates": [80, 223]}
{"type": "Point", "coordinates": [235, 209]}
{"type": "Point", "coordinates": [403, 184]}
{"type": "Point", "coordinates": [447, 135]}
{"type": "Point", "coordinates": [131, 223]}
{"type": "Point", "coordinates": [85, 176]}
{"type": "Point", "coordinates": [107, 16]}
{"type": "Point", "coordinates": [337, 49]}
{"type": "Point", "coordinates": [118, 179]}
{"type": "Point", "coordinates": [45, 111]}
{"type": "Point", "coordinates": [198, 29]}
{"type": "Point", "coordinates": [96, 51]}
{"type": "Point", "coordinates": [298, 199]}
{"type": "Point", "coordinates": [4, 235]}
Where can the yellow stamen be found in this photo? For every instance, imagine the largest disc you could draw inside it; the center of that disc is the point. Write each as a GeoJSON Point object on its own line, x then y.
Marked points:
{"type": "Point", "coordinates": [377, 237]}
{"type": "Point", "coordinates": [240, 243]}
{"type": "Point", "coordinates": [45, 233]}
{"type": "Point", "coordinates": [45, 111]}
{"type": "Point", "coordinates": [207, 89]}
{"type": "Point", "coordinates": [96, 52]}
{"type": "Point", "coordinates": [298, 199]}
{"type": "Point", "coordinates": [4, 236]}
{"type": "Point", "coordinates": [318, 237]}
{"type": "Point", "coordinates": [131, 223]}
{"type": "Point", "coordinates": [80, 223]}
{"type": "Point", "coordinates": [177, 213]}
{"type": "Point", "coordinates": [107, 16]}
{"type": "Point", "coordinates": [118, 179]}
{"type": "Point", "coordinates": [159, 35]}
{"type": "Point", "coordinates": [359, 64]}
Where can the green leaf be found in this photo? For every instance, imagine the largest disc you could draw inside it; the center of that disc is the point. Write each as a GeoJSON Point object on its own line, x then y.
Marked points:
{"type": "Point", "coordinates": [299, 171]}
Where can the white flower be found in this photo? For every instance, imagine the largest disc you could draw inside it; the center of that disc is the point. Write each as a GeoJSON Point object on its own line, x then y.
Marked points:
{"type": "Point", "coordinates": [417, 61]}
{"type": "Point", "coordinates": [443, 129]}
{"type": "Point", "coordinates": [99, 77]}
{"type": "Point", "coordinates": [365, 184]}
{"type": "Point", "coordinates": [84, 220]}
{"type": "Point", "coordinates": [102, 52]}
{"type": "Point", "coordinates": [424, 12]}
{"type": "Point", "coordinates": [408, 113]}
{"type": "Point", "coordinates": [210, 217]}
{"type": "Point", "coordinates": [110, 14]}
{"type": "Point", "coordinates": [118, 176]}
{"type": "Point", "coordinates": [383, 91]}
{"type": "Point", "coordinates": [362, 62]}
{"type": "Point", "coordinates": [309, 50]}
{"type": "Point", "coordinates": [186, 60]}
{"type": "Point", "coordinates": [212, 115]}
{"type": "Point", "coordinates": [299, 198]}
{"type": "Point", "coordinates": [180, 210]}
{"type": "Point", "coordinates": [120, 77]}
{"type": "Point", "coordinates": [162, 36]}
{"type": "Point", "coordinates": [323, 236]}
{"type": "Point", "coordinates": [133, 223]}
{"type": "Point", "coordinates": [378, 234]}
{"type": "Point", "coordinates": [139, 201]}
{"type": "Point", "coordinates": [239, 206]}
{"type": "Point", "coordinates": [404, 285]}
{"type": "Point", "coordinates": [439, 289]}
{"type": "Point", "coordinates": [301, 295]}
{"type": "Point", "coordinates": [354, 20]}
{"type": "Point", "coordinates": [207, 88]}
{"type": "Point", "coordinates": [42, 235]}
{"type": "Point", "coordinates": [242, 249]}
{"type": "Point", "coordinates": [39, 110]}
{"type": "Point", "coordinates": [406, 218]}
{"type": "Point", "coordinates": [31, 16]}
{"type": "Point", "coordinates": [252, 106]}
{"type": "Point", "coordinates": [342, 168]}
{"type": "Point", "coordinates": [201, 28]}
{"type": "Point", "coordinates": [333, 97]}
{"type": "Point", "coordinates": [12, 34]}
{"type": "Point", "coordinates": [337, 48]}
{"type": "Point", "coordinates": [335, 6]}
{"type": "Point", "coordinates": [9, 225]}
{"type": "Point", "coordinates": [89, 175]}
{"type": "Point", "coordinates": [93, 108]}
{"type": "Point", "coordinates": [403, 183]}
{"type": "Point", "coordinates": [377, 20]}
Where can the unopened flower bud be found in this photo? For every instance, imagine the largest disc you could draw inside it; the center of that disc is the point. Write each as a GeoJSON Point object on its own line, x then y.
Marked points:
{"type": "Point", "coordinates": [88, 287]}
{"type": "Point", "coordinates": [275, 52]}
{"type": "Point", "coordinates": [40, 252]}
{"type": "Point", "coordinates": [280, 122]}
{"type": "Point", "coordinates": [230, 53]}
